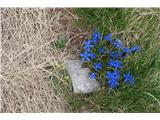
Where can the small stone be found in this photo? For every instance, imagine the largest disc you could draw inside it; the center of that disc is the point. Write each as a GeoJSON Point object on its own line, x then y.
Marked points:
{"type": "Point", "coordinates": [79, 76]}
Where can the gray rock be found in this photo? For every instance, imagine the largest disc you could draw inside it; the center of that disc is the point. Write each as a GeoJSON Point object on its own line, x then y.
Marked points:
{"type": "Point", "coordinates": [79, 76]}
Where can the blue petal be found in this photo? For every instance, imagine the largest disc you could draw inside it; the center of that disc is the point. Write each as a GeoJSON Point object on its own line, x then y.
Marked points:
{"type": "Point", "coordinates": [83, 59]}
{"type": "Point", "coordinates": [135, 48]}
{"type": "Point", "coordinates": [128, 79]}
{"type": "Point", "coordinates": [92, 75]}
{"type": "Point", "coordinates": [81, 54]}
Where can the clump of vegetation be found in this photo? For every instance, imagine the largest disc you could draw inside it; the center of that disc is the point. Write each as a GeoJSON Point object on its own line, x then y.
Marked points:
{"type": "Point", "coordinates": [135, 26]}
{"type": "Point", "coordinates": [61, 42]}
{"type": "Point", "coordinates": [106, 59]}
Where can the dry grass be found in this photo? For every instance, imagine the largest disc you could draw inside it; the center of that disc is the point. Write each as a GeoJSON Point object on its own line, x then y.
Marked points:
{"type": "Point", "coordinates": [26, 49]}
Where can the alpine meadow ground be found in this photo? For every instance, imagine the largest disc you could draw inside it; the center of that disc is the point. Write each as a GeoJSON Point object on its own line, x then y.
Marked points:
{"type": "Point", "coordinates": [36, 41]}
{"type": "Point", "coordinates": [134, 26]}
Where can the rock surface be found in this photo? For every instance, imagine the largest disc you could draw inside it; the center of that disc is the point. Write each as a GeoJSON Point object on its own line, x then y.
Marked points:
{"type": "Point", "coordinates": [79, 76]}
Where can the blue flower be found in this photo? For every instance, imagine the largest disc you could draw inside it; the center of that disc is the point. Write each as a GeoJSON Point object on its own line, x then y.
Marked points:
{"type": "Point", "coordinates": [108, 38]}
{"type": "Point", "coordinates": [112, 54]}
{"type": "Point", "coordinates": [87, 45]}
{"type": "Point", "coordinates": [113, 83]}
{"type": "Point", "coordinates": [127, 50]}
{"type": "Point", "coordinates": [94, 41]}
{"type": "Point", "coordinates": [121, 55]}
{"type": "Point", "coordinates": [128, 79]}
{"type": "Point", "coordinates": [92, 75]}
{"type": "Point", "coordinates": [118, 44]}
{"type": "Point", "coordinates": [93, 56]}
{"type": "Point", "coordinates": [135, 48]}
{"type": "Point", "coordinates": [85, 56]}
{"type": "Point", "coordinates": [97, 66]}
{"type": "Point", "coordinates": [94, 50]}
{"type": "Point", "coordinates": [96, 35]}
{"type": "Point", "coordinates": [115, 63]}
{"type": "Point", "coordinates": [101, 50]}
{"type": "Point", "coordinates": [113, 77]}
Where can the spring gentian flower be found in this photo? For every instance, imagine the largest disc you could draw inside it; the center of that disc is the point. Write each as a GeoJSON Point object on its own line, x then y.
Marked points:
{"type": "Point", "coordinates": [118, 44]}
{"type": "Point", "coordinates": [96, 35]}
{"type": "Point", "coordinates": [92, 75]}
{"type": "Point", "coordinates": [115, 55]}
{"type": "Point", "coordinates": [115, 63]}
{"type": "Point", "coordinates": [87, 45]}
{"type": "Point", "coordinates": [94, 41]}
{"type": "Point", "coordinates": [127, 50]}
{"type": "Point", "coordinates": [112, 54]}
{"type": "Point", "coordinates": [92, 56]}
{"type": "Point", "coordinates": [113, 83]}
{"type": "Point", "coordinates": [85, 56]}
{"type": "Point", "coordinates": [108, 38]}
{"type": "Point", "coordinates": [97, 66]}
{"type": "Point", "coordinates": [101, 50]}
{"type": "Point", "coordinates": [113, 77]}
{"type": "Point", "coordinates": [121, 55]}
{"type": "Point", "coordinates": [128, 79]}
{"type": "Point", "coordinates": [135, 48]}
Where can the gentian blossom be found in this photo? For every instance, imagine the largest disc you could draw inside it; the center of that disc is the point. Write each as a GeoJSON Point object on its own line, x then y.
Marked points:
{"type": "Point", "coordinates": [135, 48]}
{"type": "Point", "coordinates": [115, 63]}
{"type": "Point", "coordinates": [113, 54]}
{"type": "Point", "coordinates": [118, 44]}
{"type": "Point", "coordinates": [128, 79]}
{"type": "Point", "coordinates": [97, 66]}
{"type": "Point", "coordinates": [96, 35]}
{"type": "Point", "coordinates": [113, 78]}
{"type": "Point", "coordinates": [94, 41]}
{"type": "Point", "coordinates": [92, 56]}
{"type": "Point", "coordinates": [101, 50]}
{"type": "Point", "coordinates": [87, 45]}
{"type": "Point", "coordinates": [92, 75]}
{"type": "Point", "coordinates": [120, 54]}
{"type": "Point", "coordinates": [108, 38]}
{"type": "Point", "coordinates": [127, 50]}
{"type": "Point", "coordinates": [85, 56]}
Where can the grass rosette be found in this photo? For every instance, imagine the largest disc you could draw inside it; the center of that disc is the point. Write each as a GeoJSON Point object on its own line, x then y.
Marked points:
{"type": "Point", "coordinates": [105, 57]}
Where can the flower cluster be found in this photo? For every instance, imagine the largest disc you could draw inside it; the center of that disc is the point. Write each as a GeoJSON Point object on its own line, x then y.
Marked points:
{"type": "Point", "coordinates": [105, 57]}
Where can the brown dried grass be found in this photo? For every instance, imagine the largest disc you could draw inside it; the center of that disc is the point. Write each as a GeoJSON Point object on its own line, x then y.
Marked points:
{"type": "Point", "coordinates": [27, 34]}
